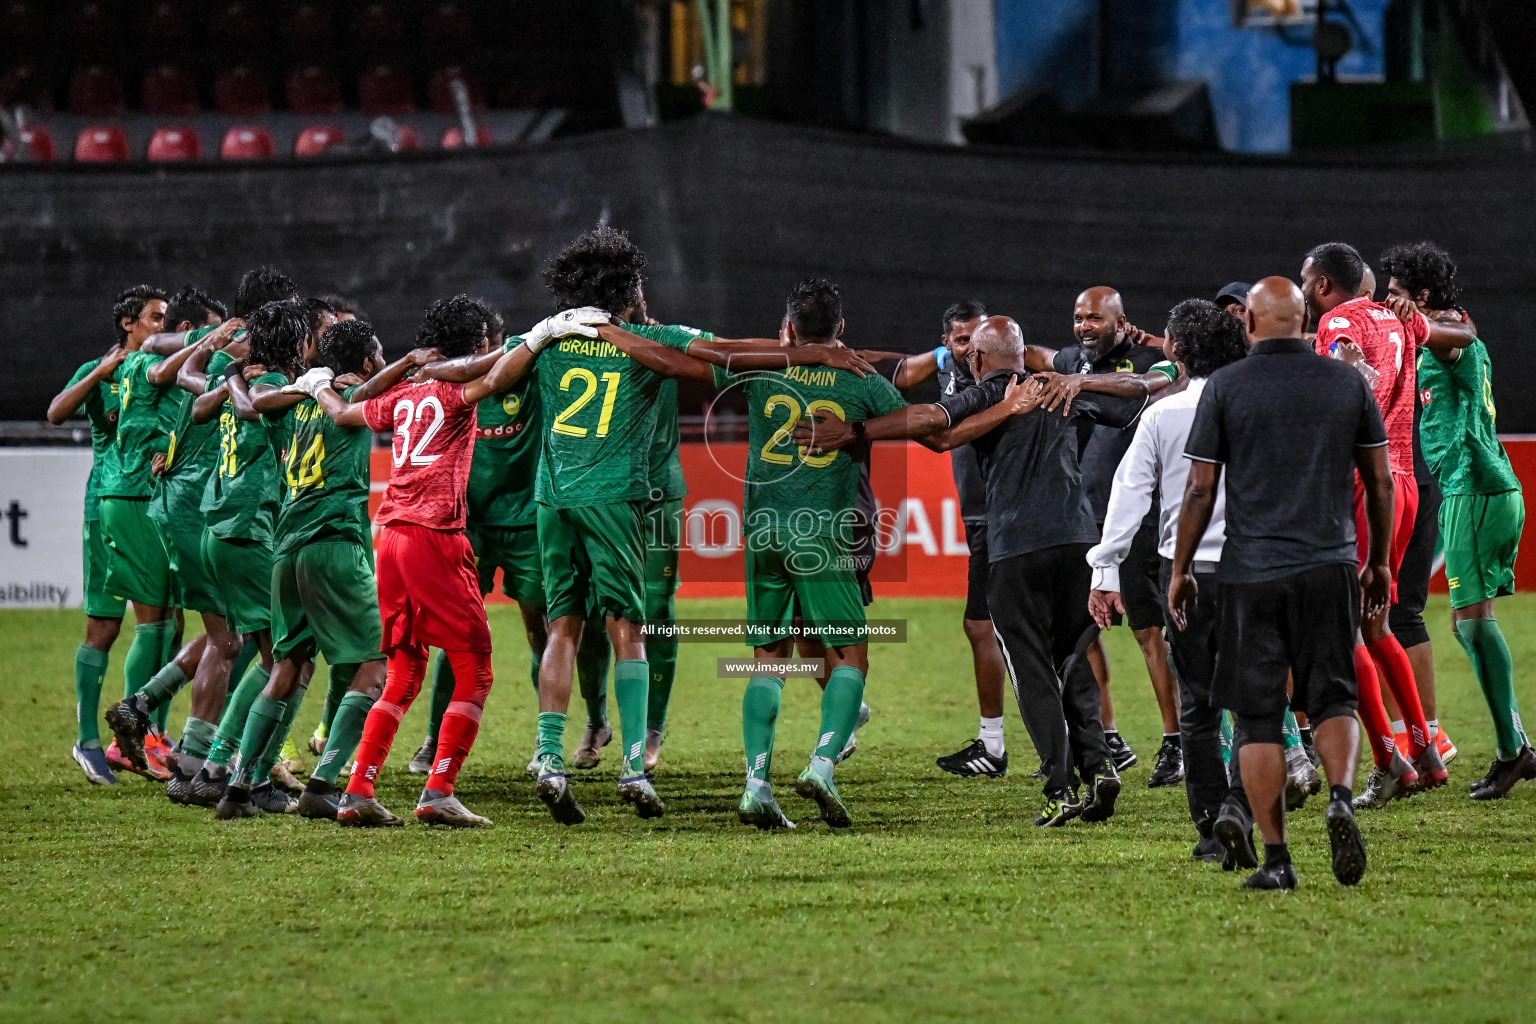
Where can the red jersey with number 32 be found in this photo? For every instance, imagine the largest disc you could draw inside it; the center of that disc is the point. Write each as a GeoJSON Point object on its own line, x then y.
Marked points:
{"type": "Point", "coordinates": [1392, 349]}
{"type": "Point", "coordinates": [432, 447]}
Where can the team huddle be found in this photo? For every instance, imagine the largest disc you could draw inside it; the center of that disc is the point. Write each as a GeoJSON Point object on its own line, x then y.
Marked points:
{"type": "Point", "coordinates": [1251, 509]}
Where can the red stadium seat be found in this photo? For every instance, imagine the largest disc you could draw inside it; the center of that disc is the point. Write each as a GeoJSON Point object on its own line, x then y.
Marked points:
{"type": "Point", "coordinates": [241, 92]}
{"type": "Point", "coordinates": [440, 93]}
{"type": "Point", "coordinates": [38, 142]}
{"type": "Point", "coordinates": [101, 144]}
{"type": "Point", "coordinates": [385, 90]}
{"type": "Point", "coordinates": [406, 139]}
{"type": "Point", "coordinates": [95, 92]}
{"type": "Point", "coordinates": [378, 26]}
{"type": "Point", "coordinates": [247, 142]}
{"type": "Point", "coordinates": [314, 90]}
{"type": "Point", "coordinates": [453, 138]}
{"type": "Point", "coordinates": [316, 139]}
{"type": "Point", "coordinates": [23, 86]}
{"type": "Point", "coordinates": [237, 26]}
{"type": "Point", "coordinates": [169, 91]}
{"type": "Point", "coordinates": [175, 143]}
{"type": "Point", "coordinates": [308, 30]}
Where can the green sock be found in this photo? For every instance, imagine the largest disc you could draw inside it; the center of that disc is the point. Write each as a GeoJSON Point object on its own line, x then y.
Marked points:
{"type": "Point", "coordinates": [839, 710]}
{"type": "Point", "coordinates": [1484, 643]}
{"type": "Point", "coordinates": [197, 737]}
{"type": "Point", "coordinates": [346, 731]}
{"type": "Point", "coordinates": [248, 652]}
{"type": "Point", "coordinates": [662, 656]}
{"type": "Point", "coordinates": [338, 682]}
{"type": "Point", "coordinates": [1290, 732]}
{"type": "Point", "coordinates": [261, 727]}
{"type": "Point", "coordinates": [90, 675]}
{"type": "Point", "coordinates": [552, 738]}
{"type": "Point", "coordinates": [442, 694]}
{"type": "Point", "coordinates": [163, 685]}
{"type": "Point", "coordinates": [592, 670]}
{"type": "Point", "coordinates": [236, 709]}
{"type": "Point", "coordinates": [631, 683]}
{"type": "Point", "coordinates": [759, 714]}
{"type": "Point", "coordinates": [1226, 737]}
{"type": "Point", "coordinates": [273, 752]}
{"type": "Point", "coordinates": [146, 654]}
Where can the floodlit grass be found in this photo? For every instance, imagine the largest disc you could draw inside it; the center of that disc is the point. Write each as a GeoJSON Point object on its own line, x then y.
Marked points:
{"type": "Point", "coordinates": [943, 902]}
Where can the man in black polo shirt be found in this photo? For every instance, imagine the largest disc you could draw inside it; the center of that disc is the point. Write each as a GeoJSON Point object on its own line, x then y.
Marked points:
{"type": "Point", "coordinates": [1289, 428]}
{"type": "Point", "coordinates": [1040, 526]}
{"type": "Point", "coordinates": [1105, 346]}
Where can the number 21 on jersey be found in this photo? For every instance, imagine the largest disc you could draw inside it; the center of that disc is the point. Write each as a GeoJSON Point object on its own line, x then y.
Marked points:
{"type": "Point", "coordinates": [419, 420]}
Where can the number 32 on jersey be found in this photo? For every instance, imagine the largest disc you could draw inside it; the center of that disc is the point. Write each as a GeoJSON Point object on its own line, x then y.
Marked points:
{"type": "Point", "coordinates": [419, 420]}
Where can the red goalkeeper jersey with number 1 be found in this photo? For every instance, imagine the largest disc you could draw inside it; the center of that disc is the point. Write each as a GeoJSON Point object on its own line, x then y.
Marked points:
{"type": "Point", "coordinates": [1392, 349]}
{"type": "Point", "coordinates": [431, 452]}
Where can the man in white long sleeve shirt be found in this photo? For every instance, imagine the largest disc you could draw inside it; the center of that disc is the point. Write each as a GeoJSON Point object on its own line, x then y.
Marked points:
{"type": "Point", "coordinates": [1201, 337]}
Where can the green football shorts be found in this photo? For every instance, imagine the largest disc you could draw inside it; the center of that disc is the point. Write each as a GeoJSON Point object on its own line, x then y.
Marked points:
{"type": "Point", "coordinates": [663, 537]}
{"type": "Point", "coordinates": [812, 578]}
{"type": "Point", "coordinates": [242, 571]}
{"type": "Point", "coordinates": [1481, 535]}
{"type": "Point", "coordinates": [515, 551]}
{"type": "Point", "coordinates": [324, 598]}
{"type": "Point", "coordinates": [192, 586]}
{"type": "Point", "coordinates": [593, 559]}
{"type": "Point", "coordinates": [138, 568]}
{"type": "Point", "coordinates": [94, 558]}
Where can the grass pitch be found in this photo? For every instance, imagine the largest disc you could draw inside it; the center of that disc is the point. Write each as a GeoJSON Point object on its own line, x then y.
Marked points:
{"type": "Point", "coordinates": [943, 902]}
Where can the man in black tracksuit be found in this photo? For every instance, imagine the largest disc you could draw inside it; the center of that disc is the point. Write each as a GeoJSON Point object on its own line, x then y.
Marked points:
{"type": "Point", "coordinates": [1040, 525]}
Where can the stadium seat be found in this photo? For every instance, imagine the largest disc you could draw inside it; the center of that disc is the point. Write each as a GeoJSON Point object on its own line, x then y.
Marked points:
{"type": "Point", "coordinates": [165, 26]}
{"type": "Point", "coordinates": [23, 86]}
{"type": "Point", "coordinates": [446, 28]}
{"type": "Point", "coordinates": [385, 90]}
{"type": "Point", "coordinates": [316, 139]}
{"type": "Point", "coordinates": [406, 139]}
{"type": "Point", "coordinates": [101, 144]}
{"type": "Point", "coordinates": [96, 92]}
{"type": "Point", "coordinates": [241, 92]}
{"type": "Point", "coordinates": [308, 30]}
{"type": "Point", "coordinates": [314, 90]}
{"type": "Point", "coordinates": [440, 93]}
{"type": "Point", "coordinates": [378, 26]}
{"type": "Point", "coordinates": [37, 140]}
{"type": "Point", "coordinates": [247, 142]}
{"type": "Point", "coordinates": [93, 30]}
{"type": "Point", "coordinates": [169, 91]}
{"type": "Point", "coordinates": [237, 26]}
{"type": "Point", "coordinates": [453, 138]}
{"type": "Point", "coordinates": [175, 143]}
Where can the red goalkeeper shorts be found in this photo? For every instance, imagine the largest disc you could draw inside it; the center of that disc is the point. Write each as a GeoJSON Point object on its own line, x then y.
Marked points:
{"type": "Point", "coordinates": [1405, 509]}
{"type": "Point", "coordinates": [429, 591]}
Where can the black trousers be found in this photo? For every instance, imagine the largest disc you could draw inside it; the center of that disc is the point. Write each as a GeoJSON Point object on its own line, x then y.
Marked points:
{"type": "Point", "coordinates": [1039, 605]}
{"type": "Point", "coordinates": [1192, 652]}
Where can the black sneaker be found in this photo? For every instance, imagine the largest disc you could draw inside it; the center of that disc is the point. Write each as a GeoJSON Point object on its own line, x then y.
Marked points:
{"type": "Point", "coordinates": [973, 760]}
{"type": "Point", "coordinates": [1059, 809]}
{"type": "Point", "coordinates": [1120, 751]}
{"type": "Point", "coordinates": [207, 786]}
{"type": "Point", "coordinates": [1348, 846]}
{"type": "Point", "coordinates": [1234, 830]}
{"type": "Point", "coordinates": [272, 800]}
{"type": "Point", "coordinates": [1272, 876]}
{"type": "Point", "coordinates": [1209, 850]}
{"type": "Point", "coordinates": [130, 723]}
{"type": "Point", "coordinates": [1168, 769]}
{"type": "Point", "coordinates": [1101, 792]}
{"type": "Point", "coordinates": [320, 799]}
{"type": "Point", "coordinates": [236, 803]}
{"type": "Point", "coordinates": [1503, 775]}
{"type": "Point", "coordinates": [178, 788]}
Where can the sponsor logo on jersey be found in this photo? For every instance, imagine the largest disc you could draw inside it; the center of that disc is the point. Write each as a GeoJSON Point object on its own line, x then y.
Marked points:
{"type": "Point", "coordinates": [512, 404]}
{"type": "Point", "coordinates": [1338, 323]}
{"type": "Point", "coordinates": [1424, 397]}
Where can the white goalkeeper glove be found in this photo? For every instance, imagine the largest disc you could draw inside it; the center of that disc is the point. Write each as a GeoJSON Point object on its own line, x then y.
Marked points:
{"type": "Point", "coordinates": [572, 321]}
{"type": "Point", "coordinates": [311, 381]}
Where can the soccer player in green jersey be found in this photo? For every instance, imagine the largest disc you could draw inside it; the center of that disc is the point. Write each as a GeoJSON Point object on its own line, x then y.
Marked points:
{"type": "Point", "coordinates": [1483, 510]}
{"type": "Point", "coordinates": [137, 568]}
{"type": "Point", "coordinates": [92, 391]}
{"type": "Point", "coordinates": [502, 529]}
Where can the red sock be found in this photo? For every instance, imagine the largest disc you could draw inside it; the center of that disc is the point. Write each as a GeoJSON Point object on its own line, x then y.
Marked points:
{"type": "Point", "coordinates": [1394, 666]}
{"type": "Point", "coordinates": [1373, 713]}
{"type": "Point", "coordinates": [461, 721]}
{"type": "Point", "coordinates": [401, 685]}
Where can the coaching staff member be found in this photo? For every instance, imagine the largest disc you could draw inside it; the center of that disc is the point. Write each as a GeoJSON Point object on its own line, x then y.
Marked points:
{"type": "Point", "coordinates": [1288, 427]}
